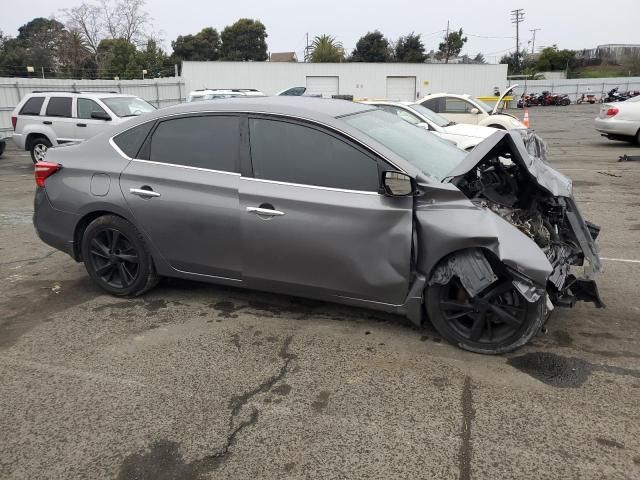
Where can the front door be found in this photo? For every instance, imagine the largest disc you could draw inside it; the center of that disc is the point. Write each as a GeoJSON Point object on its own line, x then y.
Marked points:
{"type": "Point", "coordinates": [183, 192]}
{"type": "Point", "coordinates": [88, 127]}
{"type": "Point", "coordinates": [313, 222]}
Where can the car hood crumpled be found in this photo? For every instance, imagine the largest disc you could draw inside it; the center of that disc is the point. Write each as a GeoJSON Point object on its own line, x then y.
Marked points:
{"type": "Point", "coordinates": [548, 178]}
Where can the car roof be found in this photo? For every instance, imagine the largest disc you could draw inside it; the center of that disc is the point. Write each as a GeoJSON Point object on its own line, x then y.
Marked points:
{"type": "Point", "coordinates": [311, 108]}
{"type": "Point", "coordinates": [387, 102]}
{"type": "Point", "coordinates": [62, 93]}
{"type": "Point", "coordinates": [444, 94]}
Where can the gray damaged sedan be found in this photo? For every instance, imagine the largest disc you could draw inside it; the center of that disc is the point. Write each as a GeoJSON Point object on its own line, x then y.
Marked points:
{"type": "Point", "coordinates": [325, 199]}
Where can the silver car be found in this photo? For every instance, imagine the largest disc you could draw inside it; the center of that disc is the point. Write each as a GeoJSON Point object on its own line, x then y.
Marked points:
{"type": "Point", "coordinates": [325, 199]}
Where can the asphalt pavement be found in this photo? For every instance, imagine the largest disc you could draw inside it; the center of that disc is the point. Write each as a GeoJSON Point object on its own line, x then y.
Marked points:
{"type": "Point", "coordinates": [197, 381]}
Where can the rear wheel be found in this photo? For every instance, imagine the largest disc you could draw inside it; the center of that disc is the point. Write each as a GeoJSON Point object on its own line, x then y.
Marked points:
{"type": "Point", "coordinates": [38, 148]}
{"type": "Point", "coordinates": [497, 320]}
{"type": "Point", "coordinates": [116, 257]}
{"type": "Point", "coordinates": [638, 137]}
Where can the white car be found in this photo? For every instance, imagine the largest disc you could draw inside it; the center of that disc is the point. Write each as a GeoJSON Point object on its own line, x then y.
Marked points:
{"type": "Point", "coordinates": [464, 136]}
{"type": "Point", "coordinates": [620, 120]}
{"type": "Point", "coordinates": [45, 119]}
{"type": "Point", "coordinates": [217, 93]}
{"type": "Point", "coordinates": [468, 109]}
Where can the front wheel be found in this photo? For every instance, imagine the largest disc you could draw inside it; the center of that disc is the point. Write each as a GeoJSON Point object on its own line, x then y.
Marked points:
{"type": "Point", "coordinates": [497, 320]}
{"type": "Point", "coordinates": [116, 257]}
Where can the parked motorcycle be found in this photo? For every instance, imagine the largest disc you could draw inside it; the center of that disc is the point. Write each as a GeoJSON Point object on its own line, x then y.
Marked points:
{"type": "Point", "coordinates": [615, 96]}
{"type": "Point", "coordinates": [562, 99]}
{"type": "Point", "coordinates": [588, 98]}
{"type": "Point", "coordinates": [529, 100]}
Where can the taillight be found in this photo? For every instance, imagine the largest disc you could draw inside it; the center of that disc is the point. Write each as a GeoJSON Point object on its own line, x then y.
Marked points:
{"type": "Point", "coordinates": [612, 111]}
{"type": "Point", "coordinates": [14, 122]}
{"type": "Point", "coordinates": [44, 170]}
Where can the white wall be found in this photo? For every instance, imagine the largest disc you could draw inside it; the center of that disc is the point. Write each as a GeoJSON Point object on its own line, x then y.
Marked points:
{"type": "Point", "coordinates": [160, 92]}
{"type": "Point", "coordinates": [362, 80]}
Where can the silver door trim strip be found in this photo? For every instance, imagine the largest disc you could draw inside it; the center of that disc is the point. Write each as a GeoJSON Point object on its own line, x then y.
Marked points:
{"type": "Point", "coordinates": [117, 149]}
{"type": "Point", "coordinates": [368, 301]}
{"type": "Point", "coordinates": [185, 166]}
{"type": "Point", "coordinates": [331, 189]}
{"type": "Point", "coordinates": [239, 280]}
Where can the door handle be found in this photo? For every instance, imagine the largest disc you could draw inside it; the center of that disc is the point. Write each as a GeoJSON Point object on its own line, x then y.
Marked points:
{"type": "Point", "coordinates": [267, 212]}
{"type": "Point", "coordinates": [143, 192]}
{"type": "Point", "coordinates": [81, 124]}
{"type": "Point", "coordinates": [47, 122]}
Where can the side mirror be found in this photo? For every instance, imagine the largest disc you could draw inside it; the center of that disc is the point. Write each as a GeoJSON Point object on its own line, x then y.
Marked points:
{"type": "Point", "coordinates": [475, 111]}
{"type": "Point", "coordinates": [397, 184]}
{"type": "Point", "coordinates": [97, 115]}
{"type": "Point", "coordinates": [424, 125]}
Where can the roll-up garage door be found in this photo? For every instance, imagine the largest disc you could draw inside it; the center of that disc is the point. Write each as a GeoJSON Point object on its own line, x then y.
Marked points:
{"type": "Point", "coordinates": [325, 86]}
{"type": "Point", "coordinates": [401, 89]}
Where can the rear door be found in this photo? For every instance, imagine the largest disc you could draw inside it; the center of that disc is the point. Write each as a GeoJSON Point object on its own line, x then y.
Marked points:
{"type": "Point", "coordinates": [59, 117]}
{"type": "Point", "coordinates": [87, 127]}
{"type": "Point", "coordinates": [183, 192]}
{"type": "Point", "coordinates": [313, 222]}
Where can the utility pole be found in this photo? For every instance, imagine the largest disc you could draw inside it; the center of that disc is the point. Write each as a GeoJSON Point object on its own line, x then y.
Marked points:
{"type": "Point", "coordinates": [446, 44]}
{"type": "Point", "coordinates": [517, 17]}
{"type": "Point", "coordinates": [306, 49]}
{"type": "Point", "coordinates": [533, 42]}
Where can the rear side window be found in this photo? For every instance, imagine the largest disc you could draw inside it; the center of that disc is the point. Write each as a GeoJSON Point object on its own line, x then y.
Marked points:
{"type": "Point", "coordinates": [87, 106]}
{"type": "Point", "coordinates": [32, 106]}
{"type": "Point", "coordinates": [211, 142]}
{"type": "Point", "coordinates": [294, 153]}
{"type": "Point", "coordinates": [59, 107]}
{"type": "Point", "coordinates": [131, 140]}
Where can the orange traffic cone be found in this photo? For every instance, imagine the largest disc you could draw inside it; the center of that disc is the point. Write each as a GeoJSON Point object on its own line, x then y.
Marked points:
{"type": "Point", "coordinates": [525, 121]}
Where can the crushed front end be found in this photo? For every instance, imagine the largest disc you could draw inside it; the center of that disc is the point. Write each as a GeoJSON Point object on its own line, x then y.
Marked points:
{"type": "Point", "coordinates": [506, 175]}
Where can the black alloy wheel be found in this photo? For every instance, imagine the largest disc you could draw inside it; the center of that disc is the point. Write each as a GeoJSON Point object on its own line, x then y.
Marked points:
{"type": "Point", "coordinates": [497, 320]}
{"type": "Point", "coordinates": [116, 257]}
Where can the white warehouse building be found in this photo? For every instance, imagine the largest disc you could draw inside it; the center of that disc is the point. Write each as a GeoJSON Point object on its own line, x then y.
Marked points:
{"type": "Point", "coordinates": [393, 81]}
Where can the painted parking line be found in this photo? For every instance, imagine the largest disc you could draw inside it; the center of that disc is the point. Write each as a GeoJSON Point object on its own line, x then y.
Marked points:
{"type": "Point", "coordinates": [625, 260]}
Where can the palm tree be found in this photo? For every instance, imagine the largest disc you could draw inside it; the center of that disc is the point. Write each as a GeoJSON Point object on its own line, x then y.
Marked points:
{"type": "Point", "coordinates": [326, 49]}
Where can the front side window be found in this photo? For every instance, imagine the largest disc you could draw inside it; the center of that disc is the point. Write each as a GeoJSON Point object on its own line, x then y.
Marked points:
{"type": "Point", "coordinates": [211, 142]}
{"type": "Point", "coordinates": [86, 107]}
{"type": "Point", "coordinates": [426, 151]}
{"type": "Point", "coordinates": [59, 107]}
{"type": "Point", "coordinates": [294, 153]}
{"type": "Point", "coordinates": [455, 105]}
{"type": "Point", "coordinates": [127, 106]}
{"type": "Point", "coordinates": [32, 106]}
{"type": "Point", "coordinates": [434, 104]}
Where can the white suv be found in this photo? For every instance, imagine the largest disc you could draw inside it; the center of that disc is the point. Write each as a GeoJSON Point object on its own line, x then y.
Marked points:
{"type": "Point", "coordinates": [45, 119]}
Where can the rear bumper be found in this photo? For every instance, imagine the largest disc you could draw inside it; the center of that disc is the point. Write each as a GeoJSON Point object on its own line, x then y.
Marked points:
{"type": "Point", "coordinates": [19, 140]}
{"type": "Point", "coordinates": [54, 227]}
{"type": "Point", "coordinates": [613, 127]}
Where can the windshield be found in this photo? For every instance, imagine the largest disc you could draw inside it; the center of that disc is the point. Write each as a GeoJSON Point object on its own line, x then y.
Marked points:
{"type": "Point", "coordinates": [430, 114]}
{"type": "Point", "coordinates": [483, 105]}
{"type": "Point", "coordinates": [128, 106]}
{"type": "Point", "coordinates": [424, 150]}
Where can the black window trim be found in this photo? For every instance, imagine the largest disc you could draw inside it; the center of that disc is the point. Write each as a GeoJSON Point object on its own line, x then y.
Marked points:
{"type": "Point", "coordinates": [147, 140]}
{"type": "Point", "coordinates": [381, 162]}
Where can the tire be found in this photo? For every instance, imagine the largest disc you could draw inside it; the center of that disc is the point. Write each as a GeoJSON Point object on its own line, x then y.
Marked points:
{"type": "Point", "coordinates": [638, 137]}
{"type": "Point", "coordinates": [499, 127]}
{"type": "Point", "coordinates": [117, 258]}
{"type": "Point", "coordinates": [38, 148]}
{"type": "Point", "coordinates": [3, 145]}
{"type": "Point", "coordinates": [456, 318]}
{"type": "Point", "coordinates": [566, 102]}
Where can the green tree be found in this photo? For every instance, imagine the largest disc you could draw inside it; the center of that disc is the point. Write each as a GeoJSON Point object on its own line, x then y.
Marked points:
{"type": "Point", "coordinates": [41, 39]}
{"type": "Point", "coordinates": [326, 49]}
{"type": "Point", "coordinates": [76, 58]}
{"type": "Point", "coordinates": [204, 45]}
{"type": "Point", "coordinates": [479, 58]}
{"type": "Point", "coordinates": [372, 47]}
{"type": "Point", "coordinates": [452, 45]}
{"type": "Point", "coordinates": [553, 59]}
{"type": "Point", "coordinates": [410, 49]}
{"type": "Point", "coordinates": [245, 40]}
{"type": "Point", "coordinates": [117, 58]}
{"type": "Point", "coordinates": [154, 60]}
